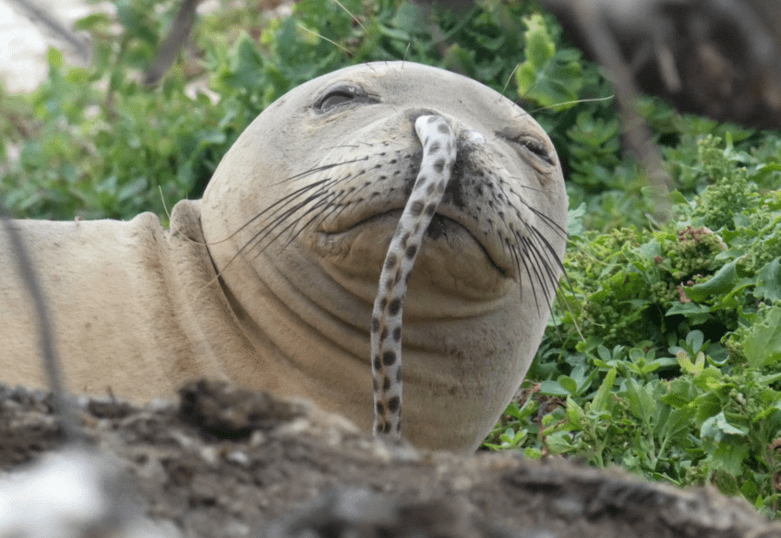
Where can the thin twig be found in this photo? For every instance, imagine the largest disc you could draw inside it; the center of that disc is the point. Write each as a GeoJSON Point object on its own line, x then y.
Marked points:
{"type": "Point", "coordinates": [63, 407]}
{"type": "Point", "coordinates": [635, 129]}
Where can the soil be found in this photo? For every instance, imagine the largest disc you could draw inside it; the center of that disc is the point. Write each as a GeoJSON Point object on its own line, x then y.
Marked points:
{"type": "Point", "coordinates": [224, 462]}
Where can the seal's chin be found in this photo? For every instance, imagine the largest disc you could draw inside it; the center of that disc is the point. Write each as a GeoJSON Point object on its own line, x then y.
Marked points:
{"type": "Point", "coordinates": [451, 259]}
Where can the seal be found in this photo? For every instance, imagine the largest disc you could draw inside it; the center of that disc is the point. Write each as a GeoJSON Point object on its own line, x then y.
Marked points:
{"type": "Point", "coordinates": [270, 280]}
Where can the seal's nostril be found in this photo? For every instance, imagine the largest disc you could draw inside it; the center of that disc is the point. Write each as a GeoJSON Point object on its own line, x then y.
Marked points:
{"type": "Point", "coordinates": [475, 137]}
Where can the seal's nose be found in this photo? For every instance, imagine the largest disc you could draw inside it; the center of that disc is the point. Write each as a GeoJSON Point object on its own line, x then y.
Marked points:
{"type": "Point", "coordinates": [476, 137]}
{"type": "Point", "coordinates": [463, 132]}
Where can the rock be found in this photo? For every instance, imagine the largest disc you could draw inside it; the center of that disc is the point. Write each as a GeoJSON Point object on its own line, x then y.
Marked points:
{"type": "Point", "coordinates": [227, 462]}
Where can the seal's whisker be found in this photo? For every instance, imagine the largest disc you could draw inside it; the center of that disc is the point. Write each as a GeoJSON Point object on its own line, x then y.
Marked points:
{"type": "Point", "coordinates": [534, 263]}
{"type": "Point", "coordinates": [324, 196]}
{"type": "Point", "coordinates": [260, 237]}
{"type": "Point", "coordinates": [295, 233]}
{"type": "Point", "coordinates": [331, 41]}
{"type": "Point", "coordinates": [353, 145]}
{"type": "Point", "coordinates": [281, 218]}
{"type": "Point", "coordinates": [338, 3]}
{"type": "Point", "coordinates": [504, 241]}
{"type": "Point", "coordinates": [569, 103]}
{"type": "Point", "coordinates": [336, 207]}
{"type": "Point", "coordinates": [509, 79]}
{"type": "Point", "coordinates": [544, 276]}
{"type": "Point", "coordinates": [528, 188]}
{"type": "Point", "coordinates": [521, 265]}
{"type": "Point", "coordinates": [556, 227]}
{"type": "Point", "coordinates": [541, 254]}
{"type": "Point", "coordinates": [274, 206]}
{"type": "Point", "coordinates": [560, 230]}
{"type": "Point", "coordinates": [318, 169]}
{"type": "Point", "coordinates": [515, 254]}
{"type": "Point", "coordinates": [323, 185]}
{"type": "Point", "coordinates": [277, 207]}
{"type": "Point", "coordinates": [336, 211]}
{"type": "Point", "coordinates": [547, 268]}
{"type": "Point", "coordinates": [520, 254]}
{"type": "Point", "coordinates": [549, 248]}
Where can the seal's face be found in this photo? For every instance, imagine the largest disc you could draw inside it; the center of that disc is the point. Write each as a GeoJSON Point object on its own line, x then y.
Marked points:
{"type": "Point", "coordinates": [309, 197]}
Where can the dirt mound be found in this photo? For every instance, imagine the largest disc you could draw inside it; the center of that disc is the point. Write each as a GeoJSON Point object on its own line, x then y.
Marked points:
{"type": "Point", "coordinates": [227, 462]}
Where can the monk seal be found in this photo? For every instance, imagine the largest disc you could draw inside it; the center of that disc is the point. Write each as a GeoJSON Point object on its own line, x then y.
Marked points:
{"type": "Point", "coordinates": [269, 281]}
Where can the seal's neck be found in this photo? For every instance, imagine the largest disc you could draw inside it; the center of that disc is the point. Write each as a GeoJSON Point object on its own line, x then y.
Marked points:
{"type": "Point", "coordinates": [307, 339]}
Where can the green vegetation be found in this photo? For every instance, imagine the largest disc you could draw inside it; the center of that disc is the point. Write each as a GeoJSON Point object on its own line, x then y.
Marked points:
{"type": "Point", "coordinates": [664, 355]}
{"type": "Point", "coordinates": [666, 359]}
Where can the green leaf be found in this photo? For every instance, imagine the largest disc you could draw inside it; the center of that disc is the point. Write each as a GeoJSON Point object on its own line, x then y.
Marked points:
{"type": "Point", "coordinates": [720, 283]}
{"type": "Point", "coordinates": [674, 422]}
{"type": "Point", "coordinates": [706, 405]}
{"type": "Point", "coordinates": [247, 65]}
{"type": "Point", "coordinates": [559, 442]}
{"type": "Point", "coordinates": [686, 364]}
{"type": "Point", "coordinates": [575, 413]}
{"type": "Point", "coordinates": [769, 281]}
{"type": "Point", "coordinates": [532, 453]}
{"type": "Point", "coordinates": [682, 392]}
{"type": "Point", "coordinates": [695, 313]}
{"type": "Point", "coordinates": [694, 340]}
{"type": "Point", "coordinates": [709, 379]}
{"type": "Point", "coordinates": [641, 401]}
{"type": "Point", "coordinates": [132, 189]}
{"type": "Point", "coordinates": [750, 491]}
{"type": "Point", "coordinates": [54, 58]}
{"type": "Point", "coordinates": [767, 169]}
{"type": "Point", "coordinates": [762, 343]}
{"type": "Point", "coordinates": [725, 481]}
{"type": "Point", "coordinates": [553, 388]}
{"type": "Point", "coordinates": [716, 427]}
{"type": "Point", "coordinates": [410, 19]}
{"type": "Point", "coordinates": [94, 20]}
{"type": "Point", "coordinates": [729, 457]}
{"type": "Point", "coordinates": [600, 401]}
{"type": "Point", "coordinates": [575, 217]}
{"type": "Point", "coordinates": [569, 384]}
{"type": "Point", "coordinates": [539, 46]}
{"type": "Point", "coordinates": [547, 77]}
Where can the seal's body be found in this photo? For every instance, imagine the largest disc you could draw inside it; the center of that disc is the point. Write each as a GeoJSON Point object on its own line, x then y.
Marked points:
{"type": "Point", "coordinates": [298, 219]}
{"type": "Point", "coordinates": [127, 315]}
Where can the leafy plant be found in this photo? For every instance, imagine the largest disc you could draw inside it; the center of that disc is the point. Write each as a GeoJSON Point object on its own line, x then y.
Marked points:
{"type": "Point", "coordinates": [681, 332]}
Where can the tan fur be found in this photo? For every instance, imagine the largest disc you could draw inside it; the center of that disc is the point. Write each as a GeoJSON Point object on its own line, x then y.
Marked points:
{"type": "Point", "coordinates": [137, 310]}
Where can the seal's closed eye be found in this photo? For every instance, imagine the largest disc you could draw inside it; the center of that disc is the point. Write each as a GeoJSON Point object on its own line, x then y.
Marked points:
{"type": "Point", "coordinates": [530, 144]}
{"type": "Point", "coordinates": [341, 94]}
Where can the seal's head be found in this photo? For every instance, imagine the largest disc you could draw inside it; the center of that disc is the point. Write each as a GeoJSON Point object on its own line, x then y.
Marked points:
{"type": "Point", "coordinates": [300, 213]}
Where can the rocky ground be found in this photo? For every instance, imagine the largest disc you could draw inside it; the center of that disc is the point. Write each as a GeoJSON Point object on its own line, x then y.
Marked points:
{"type": "Point", "coordinates": [223, 462]}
